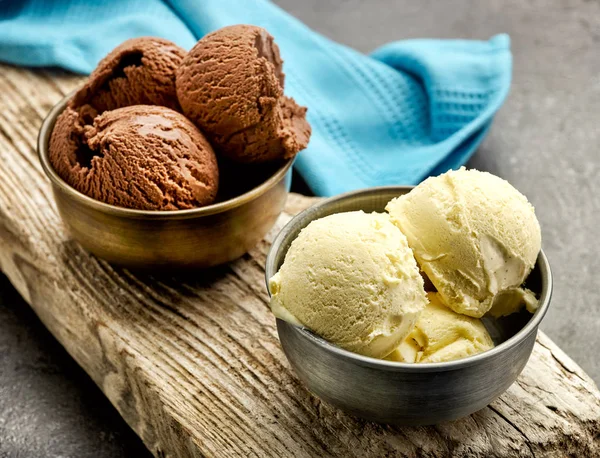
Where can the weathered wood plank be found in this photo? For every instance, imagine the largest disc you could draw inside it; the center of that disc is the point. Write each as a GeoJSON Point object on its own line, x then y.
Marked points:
{"type": "Point", "coordinates": [193, 363]}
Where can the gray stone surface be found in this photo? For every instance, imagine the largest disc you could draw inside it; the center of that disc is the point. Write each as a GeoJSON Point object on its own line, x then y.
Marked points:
{"type": "Point", "coordinates": [545, 141]}
{"type": "Point", "coordinates": [49, 407]}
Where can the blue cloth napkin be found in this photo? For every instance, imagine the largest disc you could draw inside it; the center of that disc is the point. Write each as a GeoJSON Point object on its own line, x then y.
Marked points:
{"type": "Point", "coordinates": [411, 109]}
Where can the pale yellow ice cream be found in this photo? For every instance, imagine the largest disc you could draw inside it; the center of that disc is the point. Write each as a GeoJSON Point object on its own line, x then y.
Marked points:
{"type": "Point", "coordinates": [475, 236]}
{"type": "Point", "coordinates": [352, 279]}
{"type": "Point", "coordinates": [442, 335]}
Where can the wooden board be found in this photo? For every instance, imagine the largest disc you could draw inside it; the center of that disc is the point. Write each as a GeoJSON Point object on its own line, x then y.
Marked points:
{"type": "Point", "coordinates": [193, 363]}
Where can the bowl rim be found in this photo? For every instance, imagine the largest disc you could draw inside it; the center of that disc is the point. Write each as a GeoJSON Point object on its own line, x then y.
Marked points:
{"type": "Point", "coordinates": [43, 142]}
{"type": "Point", "coordinates": [519, 338]}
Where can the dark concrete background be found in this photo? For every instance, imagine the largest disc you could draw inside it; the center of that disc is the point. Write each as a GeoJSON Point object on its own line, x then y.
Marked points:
{"type": "Point", "coordinates": [545, 140]}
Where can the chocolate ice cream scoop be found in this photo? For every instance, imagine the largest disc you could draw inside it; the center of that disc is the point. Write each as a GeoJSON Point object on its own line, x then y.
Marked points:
{"type": "Point", "coordinates": [140, 71]}
{"type": "Point", "coordinates": [142, 157]}
{"type": "Point", "coordinates": [231, 85]}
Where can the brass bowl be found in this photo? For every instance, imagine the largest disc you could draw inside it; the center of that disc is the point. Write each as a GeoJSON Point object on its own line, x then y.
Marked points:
{"type": "Point", "coordinates": [196, 238]}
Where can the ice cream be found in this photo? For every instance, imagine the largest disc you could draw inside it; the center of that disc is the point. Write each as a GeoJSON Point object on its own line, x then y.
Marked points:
{"type": "Point", "coordinates": [475, 236]}
{"type": "Point", "coordinates": [143, 157]}
{"type": "Point", "coordinates": [231, 85]}
{"type": "Point", "coordinates": [149, 157]}
{"type": "Point", "coordinates": [466, 237]}
{"type": "Point", "coordinates": [441, 334]}
{"type": "Point", "coordinates": [140, 71]}
{"type": "Point", "coordinates": [352, 279]}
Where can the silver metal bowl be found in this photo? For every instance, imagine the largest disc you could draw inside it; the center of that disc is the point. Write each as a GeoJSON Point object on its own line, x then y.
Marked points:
{"type": "Point", "coordinates": [401, 393]}
{"type": "Point", "coordinates": [196, 238]}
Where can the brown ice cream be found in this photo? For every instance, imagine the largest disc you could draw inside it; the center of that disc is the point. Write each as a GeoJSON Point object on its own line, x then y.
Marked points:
{"type": "Point", "coordinates": [142, 157]}
{"type": "Point", "coordinates": [140, 71]}
{"type": "Point", "coordinates": [231, 85]}
{"type": "Point", "coordinates": [121, 139]}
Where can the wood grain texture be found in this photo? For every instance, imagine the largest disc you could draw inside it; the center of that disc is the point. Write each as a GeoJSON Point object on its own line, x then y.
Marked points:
{"type": "Point", "coordinates": [193, 362]}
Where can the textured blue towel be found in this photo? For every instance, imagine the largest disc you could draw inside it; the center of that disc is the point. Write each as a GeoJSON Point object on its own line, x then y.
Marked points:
{"type": "Point", "coordinates": [411, 109]}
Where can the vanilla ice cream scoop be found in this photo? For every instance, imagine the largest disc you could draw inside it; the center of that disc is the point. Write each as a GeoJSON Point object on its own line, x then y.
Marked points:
{"type": "Point", "coordinates": [352, 279]}
{"type": "Point", "coordinates": [441, 334]}
{"type": "Point", "coordinates": [475, 236]}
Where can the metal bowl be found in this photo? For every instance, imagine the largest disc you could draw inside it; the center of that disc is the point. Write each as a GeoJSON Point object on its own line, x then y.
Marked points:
{"type": "Point", "coordinates": [200, 237]}
{"type": "Point", "coordinates": [402, 393]}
